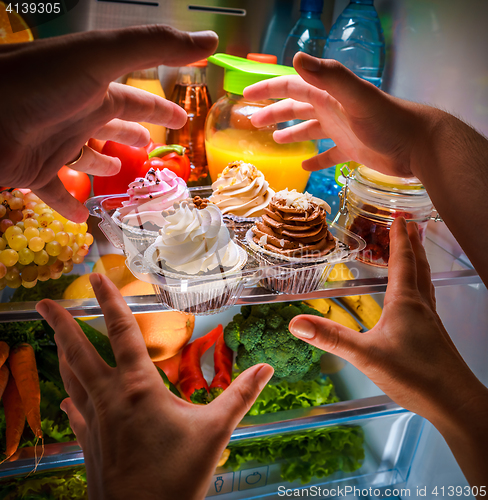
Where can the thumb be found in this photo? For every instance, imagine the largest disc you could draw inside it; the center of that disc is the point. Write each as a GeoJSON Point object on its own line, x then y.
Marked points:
{"type": "Point", "coordinates": [238, 398]}
{"type": "Point", "coordinates": [330, 336]}
{"type": "Point", "coordinates": [354, 93]}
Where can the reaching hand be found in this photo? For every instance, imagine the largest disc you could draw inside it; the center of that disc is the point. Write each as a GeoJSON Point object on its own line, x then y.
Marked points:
{"type": "Point", "coordinates": [139, 440]}
{"type": "Point", "coordinates": [411, 357]}
{"type": "Point", "coordinates": [367, 125]}
{"type": "Point", "coordinates": [59, 93]}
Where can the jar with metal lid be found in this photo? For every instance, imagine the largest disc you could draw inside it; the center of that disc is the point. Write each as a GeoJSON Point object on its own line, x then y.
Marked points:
{"type": "Point", "coordinates": [371, 201]}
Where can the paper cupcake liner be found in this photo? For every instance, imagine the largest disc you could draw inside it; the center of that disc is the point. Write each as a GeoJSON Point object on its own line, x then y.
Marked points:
{"type": "Point", "coordinates": [208, 294]}
{"type": "Point", "coordinates": [290, 275]}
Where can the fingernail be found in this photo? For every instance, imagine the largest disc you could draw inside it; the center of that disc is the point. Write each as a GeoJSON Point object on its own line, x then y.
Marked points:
{"type": "Point", "coordinates": [204, 39]}
{"type": "Point", "coordinates": [404, 222]}
{"type": "Point", "coordinates": [95, 280]}
{"type": "Point", "coordinates": [263, 375]}
{"type": "Point", "coordinates": [309, 63]}
{"type": "Point", "coordinates": [42, 308]}
{"type": "Point", "coordinates": [62, 406]}
{"type": "Point", "coordinates": [303, 329]}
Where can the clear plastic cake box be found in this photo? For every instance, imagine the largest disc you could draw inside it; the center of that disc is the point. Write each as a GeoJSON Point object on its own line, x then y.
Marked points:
{"type": "Point", "coordinates": [213, 293]}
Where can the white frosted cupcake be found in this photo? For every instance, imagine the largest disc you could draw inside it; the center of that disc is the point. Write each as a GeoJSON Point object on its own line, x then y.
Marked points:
{"type": "Point", "coordinates": [140, 217]}
{"type": "Point", "coordinates": [241, 191]}
{"type": "Point", "coordinates": [199, 260]}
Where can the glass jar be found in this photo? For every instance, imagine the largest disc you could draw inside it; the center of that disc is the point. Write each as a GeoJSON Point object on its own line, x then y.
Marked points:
{"type": "Point", "coordinates": [230, 136]}
{"type": "Point", "coordinates": [372, 201]}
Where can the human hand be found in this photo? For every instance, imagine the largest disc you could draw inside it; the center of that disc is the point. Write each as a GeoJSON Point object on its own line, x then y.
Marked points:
{"type": "Point", "coordinates": [59, 93]}
{"type": "Point", "coordinates": [408, 354]}
{"type": "Point", "coordinates": [139, 440]}
{"type": "Point", "coordinates": [367, 125]}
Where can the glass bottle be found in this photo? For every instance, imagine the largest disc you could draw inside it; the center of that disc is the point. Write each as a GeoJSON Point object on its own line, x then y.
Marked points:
{"type": "Point", "coordinates": [148, 79]}
{"type": "Point", "coordinates": [191, 93]}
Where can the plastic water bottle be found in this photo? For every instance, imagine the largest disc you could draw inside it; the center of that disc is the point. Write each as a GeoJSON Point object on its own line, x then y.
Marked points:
{"type": "Point", "coordinates": [356, 40]}
{"type": "Point", "coordinates": [308, 35]}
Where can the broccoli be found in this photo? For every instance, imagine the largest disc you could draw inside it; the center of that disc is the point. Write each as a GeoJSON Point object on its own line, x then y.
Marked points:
{"type": "Point", "coordinates": [260, 334]}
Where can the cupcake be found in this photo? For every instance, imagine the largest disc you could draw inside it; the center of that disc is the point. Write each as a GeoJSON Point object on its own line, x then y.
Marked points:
{"type": "Point", "coordinates": [198, 259]}
{"type": "Point", "coordinates": [140, 217]}
{"type": "Point", "coordinates": [294, 234]}
{"type": "Point", "coordinates": [241, 191]}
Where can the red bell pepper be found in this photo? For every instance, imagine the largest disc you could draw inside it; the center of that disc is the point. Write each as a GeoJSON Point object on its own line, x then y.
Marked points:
{"type": "Point", "coordinates": [223, 361]}
{"type": "Point", "coordinates": [192, 382]}
{"type": "Point", "coordinates": [172, 157]}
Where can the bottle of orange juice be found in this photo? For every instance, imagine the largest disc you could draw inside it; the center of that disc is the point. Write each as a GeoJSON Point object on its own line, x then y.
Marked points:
{"type": "Point", "coordinates": [230, 136]}
{"type": "Point", "coordinates": [148, 79]}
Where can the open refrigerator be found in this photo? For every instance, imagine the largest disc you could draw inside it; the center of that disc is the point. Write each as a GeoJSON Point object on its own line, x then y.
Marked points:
{"type": "Point", "coordinates": [401, 450]}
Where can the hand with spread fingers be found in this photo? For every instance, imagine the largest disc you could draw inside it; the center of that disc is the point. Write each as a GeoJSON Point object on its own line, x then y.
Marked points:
{"type": "Point", "coordinates": [60, 92]}
{"type": "Point", "coordinates": [411, 357]}
{"type": "Point", "coordinates": [386, 133]}
{"type": "Point", "coordinates": [139, 440]}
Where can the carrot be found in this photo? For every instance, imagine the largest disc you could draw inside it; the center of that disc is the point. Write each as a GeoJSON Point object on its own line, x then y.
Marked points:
{"type": "Point", "coordinates": [4, 350]}
{"type": "Point", "coordinates": [23, 367]}
{"type": "Point", "coordinates": [14, 416]}
{"type": "Point", "coordinates": [4, 373]}
{"type": "Point", "coordinates": [223, 360]}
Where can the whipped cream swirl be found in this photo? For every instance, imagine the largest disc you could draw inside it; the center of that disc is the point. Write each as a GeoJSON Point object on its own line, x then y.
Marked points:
{"type": "Point", "coordinates": [149, 196]}
{"type": "Point", "coordinates": [241, 190]}
{"type": "Point", "coordinates": [196, 241]}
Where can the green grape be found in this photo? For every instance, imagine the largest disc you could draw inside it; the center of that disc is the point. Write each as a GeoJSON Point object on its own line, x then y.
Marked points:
{"type": "Point", "coordinates": [40, 208]}
{"type": "Point", "coordinates": [68, 266]}
{"type": "Point", "coordinates": [4, 224]}
{"type": "Point", "coordinates": [31, 232]}
{"type": "Point", "coordinates": [46, 234]}
{"type": "Point", "coordinates": [18, 194]}
{"type": "Point", "coordinates": [3, 244]}
{"type": "Point", "coordinates": [36, 244]}
{"type": "Point", "coordinates": [9, 257]}
{"type": "Point", "coordinates": [16, 203]}
{"type": "Point", "coordinates": [29, 273]}
{"type": "Point", "coordinates": [12, 273]}
{"type": "Point", "coordinates": [80, 239]}
{"type": "Point", "coordinates": [41, 258]}
{"type": "Point", "coordinates": [83, 250]}
{"type": "Point", "coordinates": [15, 283]}
{"type": "Point", "coordinates": [77, 259]}
{"type": "Point", "coordinates": [21, 225]}
{"type": "Point", "coordinates": [26, 256]}
{"type": "Point", "coordinates": [3, 283]}
{"type": "Point", "coordinates": [6, 196]}
{"type": "Point", "coordinates": [3, 210]}
{"type": "Point", "coordinates": [16, 216]}
{"type": "Point", "coordinates": [18, 242]}
{"type": "Point", "coordinates": [72, 240]}
{"type": "Point", "coordinates": [71, 227]}
{"type": "Point", "coordinates": [52, 260]}
{"type": "Point", "coordinates": [62, 238]}
{"type": "Point", "coordinates": [83, 228]}
{"type": "Point", "coordinates": [53, 248]}
{"type": "Point", "coordinates": [28, 213]}
{"type": "Point", "coordinates": [43, 273]}
{"type": "Point", "coordinates": [11, 231]}
{"type": "Point", "coordinates": [45, 219]}
{"type": "Point", "coordinates": [31, 222]}
{"type": "Point", "coordinates": [31, 197]}
{"type": "Point", "coordinates": [55, 225]}
{"type": "Point", "coordinates": [29, 284]}
{"type": "Point", "coordinates": [65, 254]}
{"type": "Point", "coordinates": [31, 205]}
{"type": "Point", "coordinates": [3, 270]}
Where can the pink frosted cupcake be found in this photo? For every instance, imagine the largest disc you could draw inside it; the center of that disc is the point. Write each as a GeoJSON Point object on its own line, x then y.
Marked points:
{"type": "Point", "coordinates": [140, 217]}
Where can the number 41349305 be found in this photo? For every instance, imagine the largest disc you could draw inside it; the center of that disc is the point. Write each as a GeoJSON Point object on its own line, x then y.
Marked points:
{"type": "Point", "coordinates": [459, 491]}
{"type": "Point", "coordinates": [34, 8]}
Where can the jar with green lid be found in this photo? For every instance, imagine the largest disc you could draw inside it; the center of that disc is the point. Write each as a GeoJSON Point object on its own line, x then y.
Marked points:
{"type": "Point", "coordinates": [371, 201]}
{"type": "Point", "coordinates": [230, 136]}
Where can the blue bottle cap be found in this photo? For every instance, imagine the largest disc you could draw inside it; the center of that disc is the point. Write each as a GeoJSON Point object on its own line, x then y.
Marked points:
{"type": "Point", "coordinates": [312, 6]}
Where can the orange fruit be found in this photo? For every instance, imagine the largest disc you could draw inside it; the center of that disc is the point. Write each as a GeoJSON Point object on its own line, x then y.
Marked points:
{"type": "Point", "coordinates": [137, 287]}
{"type": "Point", "coordinates": [13, 29]}
{"type": "Point", "coordinates": [113, 266]}
{"type": "Point", "coordinates": [165, 333]}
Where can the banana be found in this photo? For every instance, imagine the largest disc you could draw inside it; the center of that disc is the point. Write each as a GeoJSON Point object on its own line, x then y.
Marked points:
{"type": "Point", "coordinates": [363, 306]}
{"type": "Point", "coordinates": [334, 312]}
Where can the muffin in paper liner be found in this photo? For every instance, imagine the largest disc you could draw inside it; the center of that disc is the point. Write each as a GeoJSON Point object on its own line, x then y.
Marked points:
{"type": "Point", "coordinates": [290, 275]}
{"type": "Point", "coordinates": [141, 238]}
{"type": "Point", "coordinates": [207, 293]}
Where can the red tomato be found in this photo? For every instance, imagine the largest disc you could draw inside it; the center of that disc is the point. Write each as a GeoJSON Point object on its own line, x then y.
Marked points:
{"type": "Point", "coordinates": [132, 159]}
{"type": "Point", "coordinates": [76, 183]}
{"type": "Point", "coordinates": [96, 144]}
